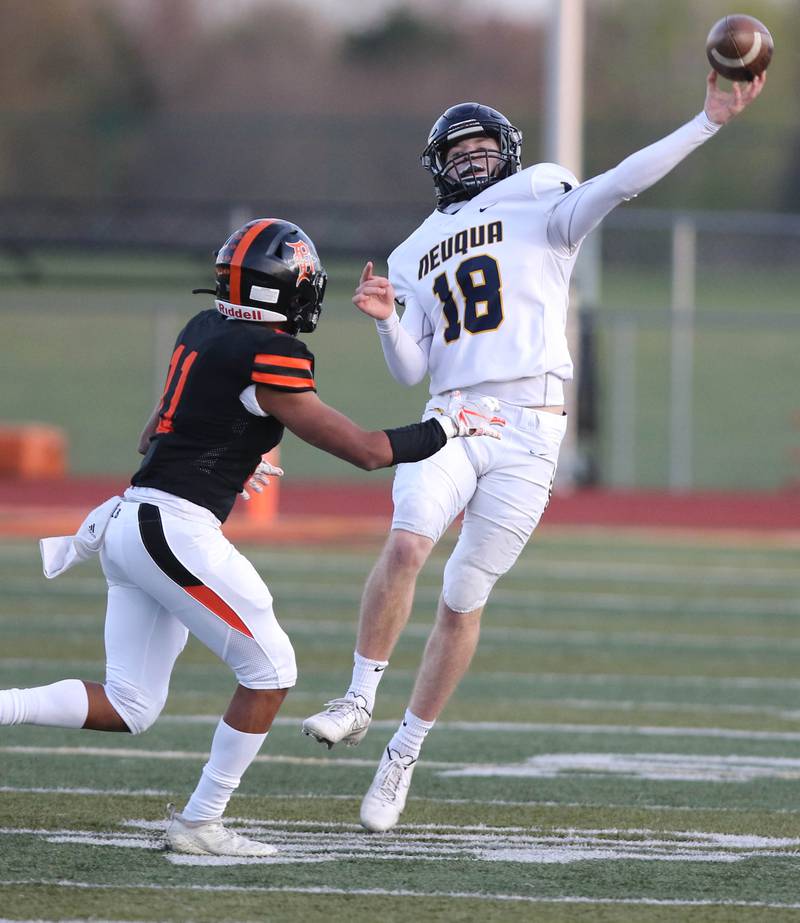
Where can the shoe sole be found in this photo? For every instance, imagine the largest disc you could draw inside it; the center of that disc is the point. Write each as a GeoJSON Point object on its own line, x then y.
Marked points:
{"type": "Point", "coordinates": [352, 740]}
{"type": "Point", "coordinates": [192, 850]}
{"type": "Point", "coordinates": [187, 850]}
{"type": "Point", "coordinates": [373, 829]}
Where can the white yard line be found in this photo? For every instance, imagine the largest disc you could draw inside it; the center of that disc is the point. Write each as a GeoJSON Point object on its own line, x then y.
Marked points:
{"type": "Point", "coordinates": [648, 680]}
{"type": "Point", "coordinates": [579, 704]}
{"type": "Point", "coordinates": [600, 679]}
{"type": "Point", "coordinates": [83, 790]}
{"type": "Point", "coordinates": [129, 753]}
{"type": "Point", "coordinates": [513, 727]}
{"type": "Point", "coordinates": [641, 766]}
{"type": "Point", "coordinates": [658, 767]}
{"type": "Point", "coordinates": [584, 570]}
{"type": "Point", "coordinates": [589, 600]}
{"type": "Point", "coordinates": [578, 636]}
{"type": "Point", "coordinates": [479, 802]}
{"type": "Point", "coordinates": [404, 893]}
{"type": "Point", "coordinates": [521, 727]}
{"type": "Point", "coordinates": [737, 573]}
{"type": "Point", "coordinates": [449, 833]}
{"type": "Point", "coordinates": [602, 638]}
{"type": "Point", "coordinates": [337, 842]}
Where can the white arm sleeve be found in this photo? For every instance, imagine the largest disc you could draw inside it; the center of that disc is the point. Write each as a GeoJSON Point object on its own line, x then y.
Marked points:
{"type": "Point", "coordinates": [584, 208]}
{"type": "Point", "coordinates": [406, 343]}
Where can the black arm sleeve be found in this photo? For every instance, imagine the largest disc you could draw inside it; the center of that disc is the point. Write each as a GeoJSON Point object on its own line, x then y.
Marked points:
{"type": "Point", "coordinates": [417, 441]}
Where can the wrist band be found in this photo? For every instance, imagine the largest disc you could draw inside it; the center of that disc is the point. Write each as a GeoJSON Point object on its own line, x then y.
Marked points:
{"type": "Point", "coordinates": [415, 442]}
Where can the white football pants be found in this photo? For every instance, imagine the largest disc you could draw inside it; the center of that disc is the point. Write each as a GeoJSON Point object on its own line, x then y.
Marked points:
{"type": "Point", "coordinates": [503, 487]}
{"type": "Point", "coordinates": [171, 571]}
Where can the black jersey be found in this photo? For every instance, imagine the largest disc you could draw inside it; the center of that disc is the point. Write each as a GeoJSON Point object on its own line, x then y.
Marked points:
{"type": "Point", "coordinates": [206, 443]}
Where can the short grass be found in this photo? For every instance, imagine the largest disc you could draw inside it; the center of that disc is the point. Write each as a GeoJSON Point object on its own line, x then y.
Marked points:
{"type": "Point", "coordinates": [626, 747]}
{"type": "Point", "coordinates": [89, 343]}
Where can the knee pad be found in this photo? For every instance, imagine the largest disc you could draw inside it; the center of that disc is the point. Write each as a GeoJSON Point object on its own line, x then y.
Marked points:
{"type": "Point", "coordinates": [137, 707]}
{"type": "Point", "coordinates": [257, 668]}
{"type": "Point", "coordinates": [467, 581]}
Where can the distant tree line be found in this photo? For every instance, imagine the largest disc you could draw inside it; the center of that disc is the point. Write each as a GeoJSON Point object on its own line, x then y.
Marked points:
{"type": "Point", "coordinates": [152, 99]}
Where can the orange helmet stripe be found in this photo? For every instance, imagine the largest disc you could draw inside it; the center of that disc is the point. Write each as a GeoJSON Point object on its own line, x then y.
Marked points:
{"type": "Point", "coordinates": [238, 257]}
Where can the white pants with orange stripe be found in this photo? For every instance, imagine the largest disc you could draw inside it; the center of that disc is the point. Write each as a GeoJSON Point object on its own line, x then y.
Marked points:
{"type": "Point", "coordinates": [171, 571]}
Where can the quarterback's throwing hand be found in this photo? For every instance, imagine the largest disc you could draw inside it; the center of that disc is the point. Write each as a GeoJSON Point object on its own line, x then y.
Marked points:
{"type": "Point", "coordinates": [721, 106]}
{"type": "Point", "coordinates": [374, 295]}
{"type": "Point", "coordinates": [259, 479]}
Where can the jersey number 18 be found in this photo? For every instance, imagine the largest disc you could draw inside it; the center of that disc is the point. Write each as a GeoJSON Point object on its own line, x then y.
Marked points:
{"type": "Point", "coordinates": [479, 280]}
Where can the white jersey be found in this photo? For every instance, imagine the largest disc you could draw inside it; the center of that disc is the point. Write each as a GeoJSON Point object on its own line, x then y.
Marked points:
{"type": "Point", "coordinates": [485, 285]}
{"type": "Point", "coordinates": [485, 288]}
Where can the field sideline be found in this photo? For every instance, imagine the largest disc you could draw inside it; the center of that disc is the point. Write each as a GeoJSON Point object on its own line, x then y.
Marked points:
{"type": "Point", "coordinates": [626, 747]}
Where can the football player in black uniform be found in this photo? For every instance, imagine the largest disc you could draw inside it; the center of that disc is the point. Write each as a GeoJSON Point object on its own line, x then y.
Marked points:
{"type": "Point", "coordinates": [238, 375]}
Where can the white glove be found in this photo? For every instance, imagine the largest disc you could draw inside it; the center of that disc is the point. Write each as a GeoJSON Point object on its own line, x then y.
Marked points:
{"type": "Point", "coordinates": [470, 418]}
{"type": "Point", "coordinates": [259, 479]}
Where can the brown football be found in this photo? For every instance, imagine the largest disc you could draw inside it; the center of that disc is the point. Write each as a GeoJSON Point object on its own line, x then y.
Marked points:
{"type": "Point", "coordinates": [739, 47]}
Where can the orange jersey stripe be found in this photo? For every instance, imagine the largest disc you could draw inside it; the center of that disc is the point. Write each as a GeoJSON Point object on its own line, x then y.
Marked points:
{"type": "Point", "coordinates": [263, 378]}
{"type": "Point", "coordinates": [238, 256]}
{"type": "Point", "coordinates": [208, 598]}
{"type": "Point", "coordinates": [287, 362]}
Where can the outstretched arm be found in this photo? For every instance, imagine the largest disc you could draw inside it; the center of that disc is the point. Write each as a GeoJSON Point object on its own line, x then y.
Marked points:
{"type": "Point", "coordinates": [406, 352]}
{"type": "Point", "coordinates": [320, 425]}
{"type": "Point", "coordinates": [583, 208]}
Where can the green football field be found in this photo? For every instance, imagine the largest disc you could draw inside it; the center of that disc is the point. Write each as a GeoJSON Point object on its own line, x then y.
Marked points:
{"type": "Point", "coordinates": [626, 747]}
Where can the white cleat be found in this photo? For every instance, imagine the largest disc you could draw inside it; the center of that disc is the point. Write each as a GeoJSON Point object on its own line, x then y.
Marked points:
{"type": "Point", "coordinates": [384, 802]}
{"type": "Point", "coordinates": [344, 719]}
{"type": "Point", "coordinates": [210, 838]}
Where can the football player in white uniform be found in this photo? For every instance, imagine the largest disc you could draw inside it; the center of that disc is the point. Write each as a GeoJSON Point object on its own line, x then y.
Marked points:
{"type": "Point", "coordinates": [483, 283]}
{"type": "Point", "coordinates": [237, 378]}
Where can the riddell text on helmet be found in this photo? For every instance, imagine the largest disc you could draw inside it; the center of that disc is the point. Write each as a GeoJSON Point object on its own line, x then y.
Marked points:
{"type": "Point", "coordinates": [240, 313]}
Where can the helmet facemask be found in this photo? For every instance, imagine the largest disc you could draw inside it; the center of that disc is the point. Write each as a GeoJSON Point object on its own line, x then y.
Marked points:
{"type": "Point", "coordinates": [452, 178]}
{"type": "Point", "coordinates": [305, 305]}
{"type": "Point", "coordinates": [472, 170]}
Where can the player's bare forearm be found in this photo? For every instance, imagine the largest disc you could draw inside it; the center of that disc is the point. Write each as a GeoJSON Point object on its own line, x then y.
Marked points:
{"type": "Point", "coordinates": [148, 431]}
{"type": "Point", "coordinates": [320, 425]}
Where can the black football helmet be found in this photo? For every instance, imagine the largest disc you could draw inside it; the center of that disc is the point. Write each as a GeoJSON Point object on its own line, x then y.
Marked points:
{"type": "Point", "coordinates": [268, 270]}
{"type": "Point", "coordinates": [453, 178]}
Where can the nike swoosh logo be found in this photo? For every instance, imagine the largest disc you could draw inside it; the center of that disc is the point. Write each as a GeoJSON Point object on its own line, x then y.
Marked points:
{"type": "Point", "coordinates": [487, 206]}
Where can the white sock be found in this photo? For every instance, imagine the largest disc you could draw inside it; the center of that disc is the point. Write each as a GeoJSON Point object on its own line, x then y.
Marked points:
{"type": "Point", "coordinates": [366, 676]}
{"type": "Point", "coordinates": [232, 752]}
{"type": "Point", "coordinates": [64, 704]}
{"type": "Point", "coordinates": [410, 736]}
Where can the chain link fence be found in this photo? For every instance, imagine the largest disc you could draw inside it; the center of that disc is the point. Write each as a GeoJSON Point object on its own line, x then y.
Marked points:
{"type": "Point", "coordinates": [690, 332]}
